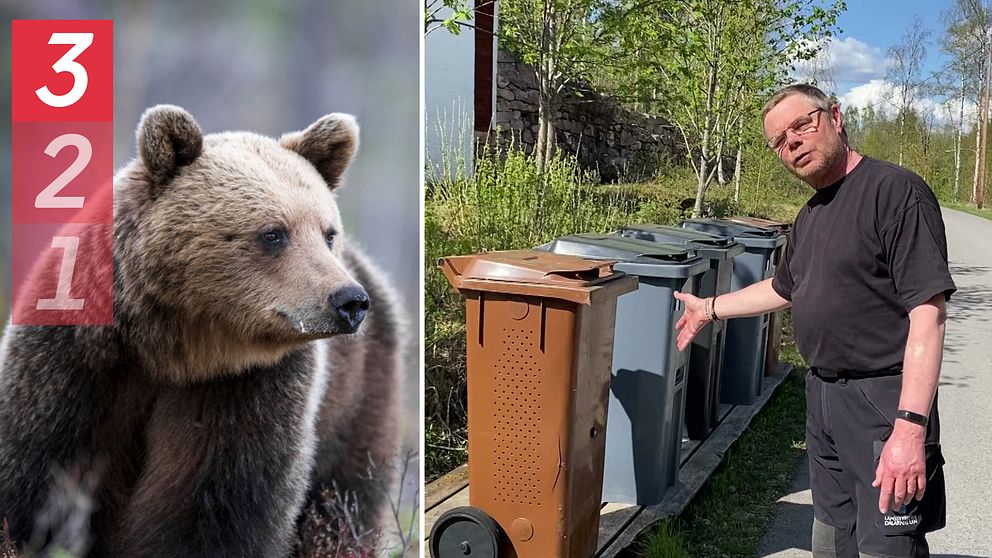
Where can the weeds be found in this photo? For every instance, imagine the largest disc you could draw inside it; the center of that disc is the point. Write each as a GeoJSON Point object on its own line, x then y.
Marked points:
{"type": "Point", "coordinates": [7, 547]}
{"type": "Point", "coordinates": [331, 529]}
{"type": "Point", "coordinates": [405, 522]}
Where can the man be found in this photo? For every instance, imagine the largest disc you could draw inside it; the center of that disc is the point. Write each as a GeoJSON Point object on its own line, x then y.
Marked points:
{"type": "Point", "coordinates": [865, 273]}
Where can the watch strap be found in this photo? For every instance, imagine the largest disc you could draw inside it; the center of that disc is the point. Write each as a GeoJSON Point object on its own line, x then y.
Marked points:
{"type": "Point", "coordinates": [912, 417]}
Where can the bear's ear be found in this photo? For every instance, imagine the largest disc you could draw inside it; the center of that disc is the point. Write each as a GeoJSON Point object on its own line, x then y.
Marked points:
{"type": "Point", "coordinates": [168, 138]}
{"type": "Point", "coordinates": [329, 144]}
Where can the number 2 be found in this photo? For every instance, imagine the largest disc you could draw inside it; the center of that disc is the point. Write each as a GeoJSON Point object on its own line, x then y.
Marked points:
{"type": "Point", "coordinates": [80, 42]}
{"type": "Point", "coordinates": [47, 198]}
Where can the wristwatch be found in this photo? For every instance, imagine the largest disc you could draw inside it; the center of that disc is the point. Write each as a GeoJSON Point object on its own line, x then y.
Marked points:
{"type": "Point", "coordinates": [912, 417]}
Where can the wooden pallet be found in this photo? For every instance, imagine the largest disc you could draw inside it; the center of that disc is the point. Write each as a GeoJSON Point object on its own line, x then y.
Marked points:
{"type": "Point", "coordinates": [620, 524]}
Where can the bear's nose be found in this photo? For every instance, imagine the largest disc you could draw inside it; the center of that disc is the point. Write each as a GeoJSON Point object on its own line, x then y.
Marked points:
{"type": "Point", "coordinates": [350, 305]}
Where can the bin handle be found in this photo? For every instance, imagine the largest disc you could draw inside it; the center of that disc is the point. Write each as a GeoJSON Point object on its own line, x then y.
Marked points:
{"type": "Point", "coordinates": [676, 257]}
{"type": "Point", "coordinates": [581, 274]}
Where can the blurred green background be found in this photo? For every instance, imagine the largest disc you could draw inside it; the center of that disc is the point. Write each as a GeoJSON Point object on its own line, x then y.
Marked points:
{"type": "Point", "coordinates": [271, 66]}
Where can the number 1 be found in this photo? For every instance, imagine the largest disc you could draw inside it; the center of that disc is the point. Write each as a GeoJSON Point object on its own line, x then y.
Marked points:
{"type": "Point", "coordinates": [70, 246]}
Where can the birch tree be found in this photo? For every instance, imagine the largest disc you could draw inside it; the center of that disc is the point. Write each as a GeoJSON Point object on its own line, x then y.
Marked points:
{"type": "Point", "coordinates": [560, 39]}
{"type": "Point", "coordinates": [905, 70]}
{"type": "Point", "coordinates": [964, 40]}
{"type": "Point", "coordinates": [707, 64]}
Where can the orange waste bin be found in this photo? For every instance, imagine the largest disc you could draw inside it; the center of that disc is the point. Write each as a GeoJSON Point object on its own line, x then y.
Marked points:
{"type": "Point", "coordinates": [775, 319]}
{"type": "Point", "coordinates": [540, 332]}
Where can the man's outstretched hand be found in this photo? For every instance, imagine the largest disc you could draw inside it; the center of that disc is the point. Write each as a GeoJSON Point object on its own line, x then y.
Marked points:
{"type": "Point", "coordinates": [694, 318]}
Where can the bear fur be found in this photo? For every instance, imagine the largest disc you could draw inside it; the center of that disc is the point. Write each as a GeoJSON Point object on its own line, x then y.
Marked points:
{"type": "Point", "coordinates": [228, 391]}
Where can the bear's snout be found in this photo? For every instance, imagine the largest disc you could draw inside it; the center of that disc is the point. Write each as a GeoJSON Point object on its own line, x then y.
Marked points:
{"type": "Point", "coordinates": [349, 305]}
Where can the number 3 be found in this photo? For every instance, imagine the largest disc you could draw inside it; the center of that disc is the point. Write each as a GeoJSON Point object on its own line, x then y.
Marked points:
{"type": "Point", "coordinates": [67, 63]}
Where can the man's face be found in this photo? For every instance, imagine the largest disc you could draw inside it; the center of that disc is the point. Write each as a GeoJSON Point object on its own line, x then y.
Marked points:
{"type": "Point", "coordinates": [807, 139]}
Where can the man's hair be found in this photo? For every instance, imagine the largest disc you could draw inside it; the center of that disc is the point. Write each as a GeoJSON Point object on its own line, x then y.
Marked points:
{"type": "Point", "coordinates": [811, 92]}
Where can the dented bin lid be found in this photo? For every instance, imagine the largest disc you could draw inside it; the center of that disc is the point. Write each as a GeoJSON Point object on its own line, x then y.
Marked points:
{"type": "Point", "coordinates": [748, 235]}
{"type": "Point", "coordinates": [639, 257]}
{"type": "Point", "coordinates": [714, 247]}
{"type": "Point", "coordinates": [534, 273]}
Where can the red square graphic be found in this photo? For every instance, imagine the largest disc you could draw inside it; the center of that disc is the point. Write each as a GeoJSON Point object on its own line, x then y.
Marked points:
{"type": "Point", "coordinates": [62, 274]}
{"type": "Point", "coordinates": [62, 70]}
{"type": "Point", "coordinates": [63, 172]}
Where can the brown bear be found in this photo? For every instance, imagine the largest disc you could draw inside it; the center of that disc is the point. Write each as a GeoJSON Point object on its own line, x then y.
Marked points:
{"type": "Point", "coordinates": [228, 390]}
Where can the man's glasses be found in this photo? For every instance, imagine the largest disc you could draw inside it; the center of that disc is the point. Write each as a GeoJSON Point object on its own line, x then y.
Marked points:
{"type": "Point", "coordinates": [801, 126]}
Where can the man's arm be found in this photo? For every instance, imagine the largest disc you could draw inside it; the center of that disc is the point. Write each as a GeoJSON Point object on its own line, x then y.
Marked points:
{"type": "Point", "coordinates": [901, 472]}
{"type": "Point", "coordinates": [753, 300]}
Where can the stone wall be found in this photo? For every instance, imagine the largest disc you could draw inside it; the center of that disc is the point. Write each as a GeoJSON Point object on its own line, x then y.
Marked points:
{"type": "Point", "coordinates": [618, 143]}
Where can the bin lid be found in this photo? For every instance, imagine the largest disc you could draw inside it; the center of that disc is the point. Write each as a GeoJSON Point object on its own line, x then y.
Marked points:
{"type": "Point", "coordinates": [714, 247]}
{"type": "Point", "coordinates": [748, 235]}
{"type": "Point", "coordinates": [759, 222]}
{"type": "Point", "coordinates": [535, 273]}
{"type": "Point", "coordinates": [639, 257]}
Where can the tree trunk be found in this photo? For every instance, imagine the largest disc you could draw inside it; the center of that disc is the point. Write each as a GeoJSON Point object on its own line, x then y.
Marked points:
{"type": "Point", "coordinates": [697, 209]}
{"type": "Point", "coordinates": [704, 150]}
{"type": "Point", "coordinates": [721, 175]}
{"type": "Point", "coordinates": [974, 182]}
{"type": "Point", "coordinates": [545, 132]}
{"type": "Point", "coordinates": [545, 79]}
{"type": "Point", "coordinates": [551, 143]}
{"type": "Point", "coordinates": [902, 126]}
{"type": "Point", "coordinates": [957, 144]}
{"type": "Point", "coordinates": [708, 119]}
{"type": "Point", "coordinates": [737, 163]}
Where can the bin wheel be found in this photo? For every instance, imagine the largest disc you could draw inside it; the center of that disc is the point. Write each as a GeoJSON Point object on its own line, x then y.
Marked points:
{"type": "Point", "coordinates": [465, 531]}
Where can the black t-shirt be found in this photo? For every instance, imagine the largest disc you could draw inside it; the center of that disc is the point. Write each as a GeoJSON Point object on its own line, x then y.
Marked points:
{"type": "Point", "coordinates": [863, 252]}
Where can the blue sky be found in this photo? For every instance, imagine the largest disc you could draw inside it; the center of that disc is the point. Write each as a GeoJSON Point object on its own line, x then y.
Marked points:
{"type": "Point", "coordinates": [857, 57]}
{"type": "Point", "coordinates": [882, 23]}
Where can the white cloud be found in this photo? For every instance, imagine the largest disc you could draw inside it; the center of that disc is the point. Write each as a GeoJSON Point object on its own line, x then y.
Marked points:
{"type": "Point", "coordinates": [877, 93]}
{"type": "Point", "coordinates": [854, 61]}
{"type": "Point", "coordinates": [846, 61]}
{"type": "Point", "coordinates": [850, 61]}
{"type": "Point", "coordinates": [885, 98]}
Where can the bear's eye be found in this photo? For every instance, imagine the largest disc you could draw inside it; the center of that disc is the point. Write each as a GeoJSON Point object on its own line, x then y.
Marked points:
{"type": "Point", "coordinates": [329, 237]}
{"type": "Point", "coordinates": [272, 237]}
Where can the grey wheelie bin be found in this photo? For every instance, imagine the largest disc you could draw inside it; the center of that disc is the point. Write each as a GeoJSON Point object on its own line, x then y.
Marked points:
{"type": "Point", "coordinates": [747, 338]}
{"type": "Point", "coordinates": [647, 389]}
{"type": "Point", "coordinates": [775, 320]}
{"type": "Point", "coordinates": [702, 391]}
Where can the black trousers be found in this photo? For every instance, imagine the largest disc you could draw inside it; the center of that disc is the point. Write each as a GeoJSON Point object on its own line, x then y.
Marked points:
{"type": "Point", "coordinates": [847, 423]}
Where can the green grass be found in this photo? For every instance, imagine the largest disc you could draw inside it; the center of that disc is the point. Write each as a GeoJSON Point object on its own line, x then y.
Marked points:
{"type": "Point", "coordinates": [731, 514]}
{"type": "Point", "coordinates": [985, 212]}
{"type": "Point", "coordinates": [667, 539]}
